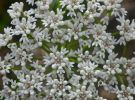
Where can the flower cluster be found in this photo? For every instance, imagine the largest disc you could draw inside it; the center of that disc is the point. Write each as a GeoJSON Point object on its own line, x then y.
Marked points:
{"type": "Point", "coordinates": [79, 53]}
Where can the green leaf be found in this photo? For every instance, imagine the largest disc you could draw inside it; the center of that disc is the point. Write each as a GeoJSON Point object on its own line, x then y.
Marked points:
{"type": "Point", "coordinates": [54, 5]}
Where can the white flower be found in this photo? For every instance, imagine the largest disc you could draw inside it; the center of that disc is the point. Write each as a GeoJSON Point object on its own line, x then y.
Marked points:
{"type": "Point", "coordinates": [19, 55]}
{"type": "Point", "coordinates": [126, 30]}
{"type": "Point", "coordinates": [16, 9]}
{"type": "Point", "coordinates": [58, 60]}
{"type": "Point", "coordinates": [73, 5]}
{"type": "Point", "coordinates": [4, 68]}
{"type": "Point", "coordinates": [124, 93]}
{"type": "Point", "coordinates": [79, 52]}
{"type": "Point", "coordinates": [30, 2]}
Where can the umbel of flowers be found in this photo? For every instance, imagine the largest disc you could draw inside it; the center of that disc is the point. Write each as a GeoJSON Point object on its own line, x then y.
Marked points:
{"type": "Point", "coordinates": [64, 51]}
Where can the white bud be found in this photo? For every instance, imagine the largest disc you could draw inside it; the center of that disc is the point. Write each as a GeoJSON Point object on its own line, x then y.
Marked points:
{"type": "Point", "coordinates": [54, 66]}
{"type": "Point", "coordinates": [69, 87]}
{"type": "Point", "coordinates": [65, 59]}
{"type": "Point", "coordinates": [65, 82]}
{"type": "Point", "coordinates": [119, 27]}
{"type": "Point", "coordinates": [52, 25]}
{"type": "Point", "coordinates": [40, 44]}
{"type": "Point", "coordinates": [75, 7]}
{"type": "Point", "coordinates": [129, 71]}
{"type": "Point", "coordinates": [32, 81]}
{"type": "Point", "coordinates": [9, 37]}
{"type": "Point", "coordinates": [105, 66]}
{"type": "Point", "coordinates": [32, 92]}
{"type": "Point", "coordinates": [27, 77]}
{"type": "Point", "coordinates": [109, 7]}
{"type": "Point", "coordinates": [51, 55]}
{"type": "Point", "coordinates": [46, 7]}
{"type": "Point", "coordinates": [60, 93]}
{"type": "Point", "coordinates": [78, 91]}
{"type": "Point", "coordinates": [23, 64]}
{"type": "Point", "coordinates": [28, 31]}
{"type": "Point", "coordinates": [25, 92]}
{"type": "Point", "coordinates": [61, 23]}
{"type": "Point", "coordinates": [55, 81]}
{"type": "Point", "coordinates": [130, 98]}
{"type": "Point", "coordinates": [75, 37]}
{"type": "Point", "coordinates": [113, 72]}
{"type": "Point", "coordinates": [13, 92]}
{"type": "Point", "coordinates": [83, 88]}
{"type": "Point", "coordinates": [118, 70]}
{"type": "Point", "coordinates": [20, 84]}
{"type": "Point", "coordinates": [82, 72]}
{"type": "Point", "coordinates": [86, 52]}
{"type": "Point", "coordinates": [42, 7]}
{"type": "Point", "coordinates": [1, 36]}
{"type": "Point", "coordinates": [43, 69]}
{"type": "Point", "coordinates": [23, 80]}
{"type": "Point", "coordinates": [87, 12]}
{"type": "Point", "coordinates": [94, 80]}
{"type": "Point", "coordinates": [69, 7]}
{"type": "Point", "coordinates": [52, 91]}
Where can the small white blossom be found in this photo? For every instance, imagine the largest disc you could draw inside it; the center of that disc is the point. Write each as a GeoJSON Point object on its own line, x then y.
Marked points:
{"type": "Point", "coordinates": [64, 50]}
{"type": "Point", "coordinates": [16, 9]}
